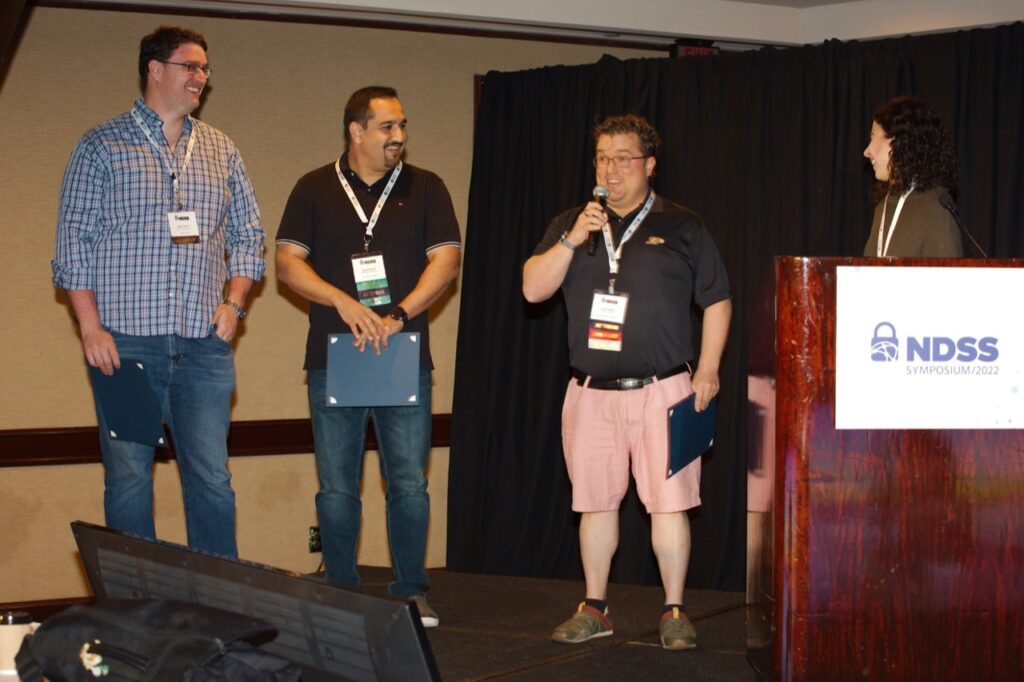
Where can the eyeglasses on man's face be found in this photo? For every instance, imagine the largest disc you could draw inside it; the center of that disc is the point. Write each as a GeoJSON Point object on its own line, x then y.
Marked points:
{"type": "Point", "coordinates": [193, 67]}
{"type": "Point", "coordinates": [620, 161]}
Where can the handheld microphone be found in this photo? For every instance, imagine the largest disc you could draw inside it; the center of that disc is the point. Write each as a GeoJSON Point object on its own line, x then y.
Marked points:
{"type": "Point", "coordinates": [601, 197]}
{"type": "Point", "coordinates": [948, 204]}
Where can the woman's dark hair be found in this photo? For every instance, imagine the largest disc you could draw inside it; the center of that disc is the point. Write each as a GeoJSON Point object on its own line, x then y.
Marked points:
{"type": "Point", "coordinates": [921, 151]}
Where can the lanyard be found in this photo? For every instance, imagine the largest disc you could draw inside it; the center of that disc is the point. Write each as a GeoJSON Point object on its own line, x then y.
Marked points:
{"type": "Point", "coordinates": [162, 151]}
{"type": "Point", "coordinates": [615, 253]}
{"type": "Point", "coordinates": [359, 209]}
{"type": "Point", "coordinates": [884, 248]}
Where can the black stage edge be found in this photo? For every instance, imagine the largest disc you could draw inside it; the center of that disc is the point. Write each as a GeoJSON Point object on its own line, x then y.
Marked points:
{"type": "Point", "coordinates": [498, 628]}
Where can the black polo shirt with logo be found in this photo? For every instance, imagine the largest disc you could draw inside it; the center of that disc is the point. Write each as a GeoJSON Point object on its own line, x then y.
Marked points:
{"type": "Point", "coordinates": [669, 263]}
{"type": "Point", "coordinates": [417, 218]}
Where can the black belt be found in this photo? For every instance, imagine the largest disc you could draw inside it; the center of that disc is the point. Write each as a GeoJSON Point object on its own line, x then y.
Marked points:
{"type": "Point", "coordinates": [626, 384]}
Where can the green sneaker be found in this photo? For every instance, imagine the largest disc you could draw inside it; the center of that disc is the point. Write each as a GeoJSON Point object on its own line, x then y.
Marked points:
{"type": "Point", "coordinates": [586, 624]}
{"type": "Point", "coordinates": [677, 632]}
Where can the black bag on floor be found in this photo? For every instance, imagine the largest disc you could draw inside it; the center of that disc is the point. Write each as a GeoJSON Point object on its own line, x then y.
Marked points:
{"type": "Point", "coordinates": [151, 639]}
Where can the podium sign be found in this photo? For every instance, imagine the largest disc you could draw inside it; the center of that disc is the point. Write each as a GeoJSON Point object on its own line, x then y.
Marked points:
{"type": "Point", "coordinates": [929, 348]}
{"type": "Point", "coordinates": [886, 553]}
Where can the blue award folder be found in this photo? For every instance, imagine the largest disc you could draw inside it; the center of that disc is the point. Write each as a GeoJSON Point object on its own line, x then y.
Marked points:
{"type": "Point", "coordinates": [365, 379]}
{"type": "Point", "coordinates": [690, 433]}
{"type": "Point", "coordinates": [129, 406]}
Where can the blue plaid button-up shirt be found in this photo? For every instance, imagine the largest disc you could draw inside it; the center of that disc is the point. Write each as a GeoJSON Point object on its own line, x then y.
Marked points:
{"type": "Point", "coordinates": [113, 236]}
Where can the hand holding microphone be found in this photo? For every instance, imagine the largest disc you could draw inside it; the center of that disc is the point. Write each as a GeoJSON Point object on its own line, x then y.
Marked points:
{"type": "Point", "coordinates": [601, 197]}
{"type": "Point", "coordinates": [588, 223]}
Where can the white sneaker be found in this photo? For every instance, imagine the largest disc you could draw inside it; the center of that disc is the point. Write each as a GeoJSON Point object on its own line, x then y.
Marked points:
{"type": "Point", "coordinates": [428, 616]}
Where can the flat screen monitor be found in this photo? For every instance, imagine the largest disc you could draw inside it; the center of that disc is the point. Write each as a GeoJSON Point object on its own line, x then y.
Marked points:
{"type": "Point", "coordinates": [332, 632]}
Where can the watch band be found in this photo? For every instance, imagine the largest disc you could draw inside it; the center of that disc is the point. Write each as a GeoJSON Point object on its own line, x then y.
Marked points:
{"type": "Point", "coordinates": [398, 313]}
{"type": "Point", "coordinates": [240, 312]}
{"type": "Point", "coordinates": [564, 241]}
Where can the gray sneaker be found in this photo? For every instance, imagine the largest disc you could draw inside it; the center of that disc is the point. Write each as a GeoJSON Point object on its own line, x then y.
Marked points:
{"type": "Point", "coordinates": [677, 632]}
{"type": "Point", "coordinates": [586, 624]}
{"type": "Point", "coordinates": [428, 616]}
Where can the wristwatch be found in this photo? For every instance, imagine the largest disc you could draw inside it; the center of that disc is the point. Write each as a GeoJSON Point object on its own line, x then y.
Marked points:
{"type": "Point", "coordinates": [398, 313]}
{"type": "Point", "coordinates": [239, 310]}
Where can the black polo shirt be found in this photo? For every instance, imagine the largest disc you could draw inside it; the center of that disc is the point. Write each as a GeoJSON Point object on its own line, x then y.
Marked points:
{"type": "Point", "coordinates": [669, 262]}
{"type": "Point", "coordinates": [417, 218]}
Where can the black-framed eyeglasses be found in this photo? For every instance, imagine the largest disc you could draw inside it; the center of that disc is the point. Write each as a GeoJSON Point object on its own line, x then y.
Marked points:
{"type": "Point", "coordinates": [192, 67]}
{"type": "Point", "coordinates": [621, 161]}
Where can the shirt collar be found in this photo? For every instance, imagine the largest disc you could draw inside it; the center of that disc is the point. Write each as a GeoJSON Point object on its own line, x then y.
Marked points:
{"type": "Point", "coordinates": [352, 176]}
{"type": "Point", "coordinates": [153, 120]}
{"type": "Point", "coordinates": [656, 207]}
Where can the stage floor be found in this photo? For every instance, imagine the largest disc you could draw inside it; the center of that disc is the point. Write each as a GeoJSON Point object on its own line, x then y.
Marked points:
{"type": "Point", "coordinates": [498, 627]}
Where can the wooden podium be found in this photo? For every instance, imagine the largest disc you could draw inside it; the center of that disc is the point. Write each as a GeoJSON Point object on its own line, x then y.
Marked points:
{"type": "Point", "coordinates": [881, 554]}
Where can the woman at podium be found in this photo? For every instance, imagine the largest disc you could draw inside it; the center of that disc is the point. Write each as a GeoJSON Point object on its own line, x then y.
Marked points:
{"type": "Point", "coordinates": [915, 166]}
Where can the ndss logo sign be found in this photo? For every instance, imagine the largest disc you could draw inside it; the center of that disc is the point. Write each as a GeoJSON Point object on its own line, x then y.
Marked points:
{"type": "Point", "coordinates": [885, 347]}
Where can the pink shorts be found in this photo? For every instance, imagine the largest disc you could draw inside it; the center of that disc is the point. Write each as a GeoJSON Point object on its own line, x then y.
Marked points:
{"type": "Point", "coordinates": [604, 432]}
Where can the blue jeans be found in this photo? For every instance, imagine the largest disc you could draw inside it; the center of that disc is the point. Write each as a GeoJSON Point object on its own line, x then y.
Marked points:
{"type": "Point", "coordinates": [193, 379]}
{"type": "Point", "coordinates": [403, 439]}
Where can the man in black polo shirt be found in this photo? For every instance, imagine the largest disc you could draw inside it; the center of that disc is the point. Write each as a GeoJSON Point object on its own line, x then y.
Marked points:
{"type": "Point", "coordinates": [630, 347]}
{"type": "Point", "coordinates": [369, 205]}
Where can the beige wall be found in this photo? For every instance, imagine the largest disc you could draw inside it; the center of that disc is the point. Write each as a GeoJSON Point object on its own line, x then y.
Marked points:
{"type": "Point", "coordinates": [278, 90]}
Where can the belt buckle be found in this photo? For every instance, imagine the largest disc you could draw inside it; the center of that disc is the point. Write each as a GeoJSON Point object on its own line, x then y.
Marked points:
{"type": "Point", "coordinates": [628, 384]}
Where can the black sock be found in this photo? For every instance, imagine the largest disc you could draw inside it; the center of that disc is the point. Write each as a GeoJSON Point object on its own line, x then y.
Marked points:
{"type": "Point", "coordinates": [599, 604]}
{"type": "Point", "coordinates": [669, 607]}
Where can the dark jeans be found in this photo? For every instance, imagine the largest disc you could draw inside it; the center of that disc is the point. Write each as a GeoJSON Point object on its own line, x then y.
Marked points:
{"type": "Point", "coordinates": [193, 379]}
{"type": "Point", "coordinates": [403, 438]}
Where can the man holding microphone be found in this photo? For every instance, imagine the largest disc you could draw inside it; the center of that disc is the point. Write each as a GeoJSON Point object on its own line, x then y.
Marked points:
{"type": "Point", "coordinates": [632, 357]}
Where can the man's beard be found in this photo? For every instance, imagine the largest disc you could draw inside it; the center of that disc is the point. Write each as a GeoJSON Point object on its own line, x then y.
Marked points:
{"type": "Point", "coordinates": [390, 161]}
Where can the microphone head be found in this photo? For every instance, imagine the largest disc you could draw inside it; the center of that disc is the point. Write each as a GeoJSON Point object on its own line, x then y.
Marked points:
{"type": "Point", "coordinates": [601, 194]}
{"type": "Point", "coordinates": [947, 202]}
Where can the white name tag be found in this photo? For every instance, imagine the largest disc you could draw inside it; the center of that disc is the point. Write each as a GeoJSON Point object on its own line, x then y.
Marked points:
{"type": "Point", "coordinates": [607, 318]}
{"type": "Point", "coordinates": [371, 279]}
{"type": "Point", "coordinates": [184, 227]}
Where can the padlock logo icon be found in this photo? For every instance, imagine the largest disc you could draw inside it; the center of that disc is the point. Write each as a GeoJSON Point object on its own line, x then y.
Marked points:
{"type": "Point", "coordinates": [885, 347]}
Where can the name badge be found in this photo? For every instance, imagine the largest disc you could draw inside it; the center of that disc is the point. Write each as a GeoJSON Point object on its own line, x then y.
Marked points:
{"type": "Point", "coordinates": [371, 279]}
{"type": "Point", "coordinates": [607, 319]}
{"type": "Point", "coordinates": [184, 227]}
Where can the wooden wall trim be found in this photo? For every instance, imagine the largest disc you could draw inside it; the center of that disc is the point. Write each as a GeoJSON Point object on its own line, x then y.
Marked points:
{"type": "Point", "coordinates": [81, 445]}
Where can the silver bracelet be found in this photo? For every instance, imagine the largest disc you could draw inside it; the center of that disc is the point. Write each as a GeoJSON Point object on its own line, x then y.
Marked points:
{"type": "Point", "coordinates": [564, 241]}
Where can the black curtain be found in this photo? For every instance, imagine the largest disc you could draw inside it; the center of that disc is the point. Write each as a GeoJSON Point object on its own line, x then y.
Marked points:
{"type": "Point", "coordinates": [767, 147]}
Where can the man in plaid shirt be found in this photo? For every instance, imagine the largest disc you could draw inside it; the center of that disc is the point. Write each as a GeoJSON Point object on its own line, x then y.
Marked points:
{"type": "Point", "coordinates": [156, 213]}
